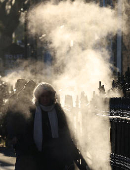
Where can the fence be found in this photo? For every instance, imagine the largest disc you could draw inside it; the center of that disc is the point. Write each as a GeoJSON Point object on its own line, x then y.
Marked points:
{"type": "Point", "coordinates": [120, 133]}
{"type": "Point", "coordinates": [119, 116]}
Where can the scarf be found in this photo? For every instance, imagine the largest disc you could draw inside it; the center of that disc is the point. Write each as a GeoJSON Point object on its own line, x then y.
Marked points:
{"type": "Point", "coordinates": [38, 136]}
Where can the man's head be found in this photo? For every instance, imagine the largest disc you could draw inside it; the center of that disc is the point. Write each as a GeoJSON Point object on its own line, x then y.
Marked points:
{"type": "Point", "coordinates": [19, 85]}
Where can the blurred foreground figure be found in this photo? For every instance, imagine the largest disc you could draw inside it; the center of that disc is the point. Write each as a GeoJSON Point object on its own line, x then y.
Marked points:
{"type": "Point", "coordinates": [17, 125]}
{"type": "Point", "coordinates": [55, 148]}
{"type": "Point", "coordinates": [39, 132]}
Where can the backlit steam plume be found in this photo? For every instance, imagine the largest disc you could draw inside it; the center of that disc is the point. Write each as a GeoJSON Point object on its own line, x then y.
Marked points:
{"type": "Point", "coordinates": [78, 34]}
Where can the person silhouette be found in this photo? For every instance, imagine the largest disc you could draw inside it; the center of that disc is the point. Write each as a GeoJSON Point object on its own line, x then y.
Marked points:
{"type": "Point", "coordinates": [55, 148]}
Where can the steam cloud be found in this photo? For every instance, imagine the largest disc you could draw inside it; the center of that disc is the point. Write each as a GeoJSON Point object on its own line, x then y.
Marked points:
{"type": "Point", "coordinates": [78, 33]}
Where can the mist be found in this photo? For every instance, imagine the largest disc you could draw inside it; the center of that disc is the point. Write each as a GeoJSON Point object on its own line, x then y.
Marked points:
{"type": "Point", "coordinates": [77, 33]}
{"type": "Point", "coordinates": [28, 70]}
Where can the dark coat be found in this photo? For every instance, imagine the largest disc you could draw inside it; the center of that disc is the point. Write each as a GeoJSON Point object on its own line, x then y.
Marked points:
{"type": "Point", "coordinates": [57, 154]}
{"type": "Point", "coordinates": [62, 152]}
